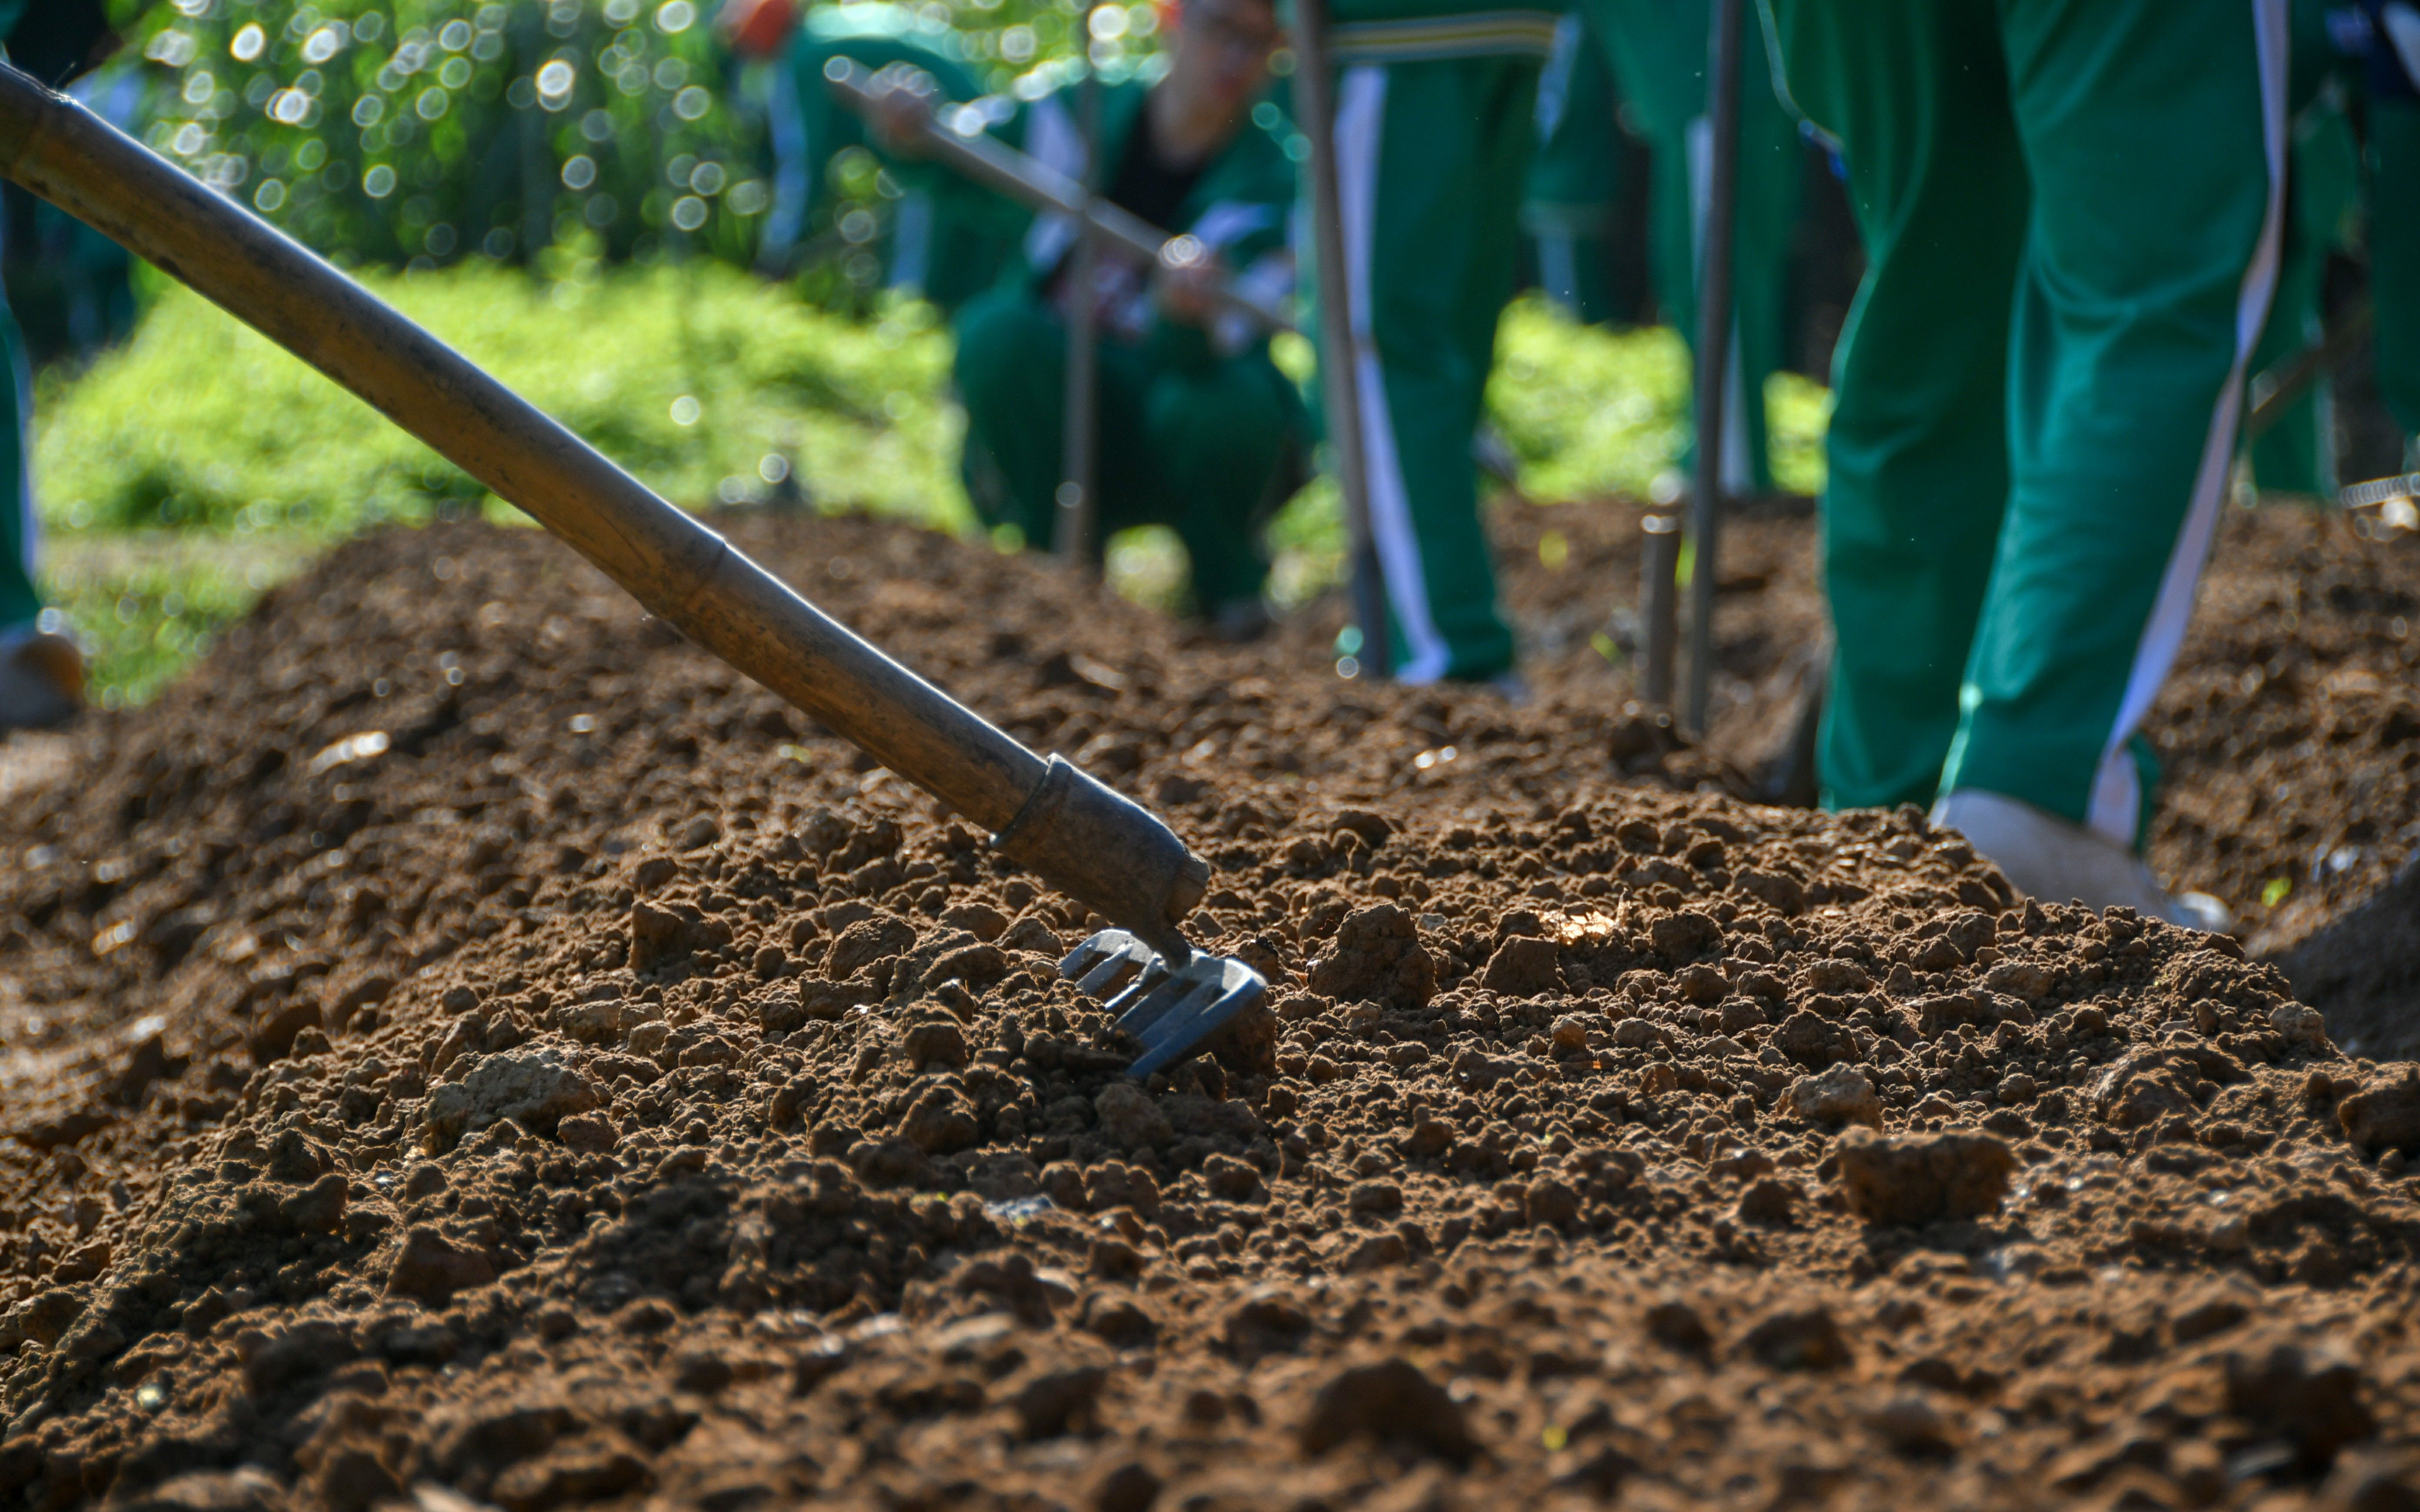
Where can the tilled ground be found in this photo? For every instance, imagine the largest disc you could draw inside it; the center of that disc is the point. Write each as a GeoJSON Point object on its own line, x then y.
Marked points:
{"type": "Point", "coordinates": [463, 1044]}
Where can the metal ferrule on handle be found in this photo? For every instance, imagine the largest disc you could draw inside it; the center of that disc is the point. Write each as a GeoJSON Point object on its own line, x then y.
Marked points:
{"type": "Point", "coordinates": [681, 571]}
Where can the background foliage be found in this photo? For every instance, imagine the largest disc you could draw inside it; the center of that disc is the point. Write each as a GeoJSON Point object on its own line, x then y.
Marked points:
{"type": "Point", "coordinates": [426, 131]}
{"type": "Point", "coordinates": [696, 379]}
{"type": "Point", "coordinates": [172, 500]}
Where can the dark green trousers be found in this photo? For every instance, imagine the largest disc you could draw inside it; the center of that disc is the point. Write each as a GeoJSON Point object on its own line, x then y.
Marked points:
{"type": "Point", "coordinates": [21, 603]}
{"type": "Point", "coordinates": [1187, 438]}
{"type": "Point", "coordinates": [2070, 210]}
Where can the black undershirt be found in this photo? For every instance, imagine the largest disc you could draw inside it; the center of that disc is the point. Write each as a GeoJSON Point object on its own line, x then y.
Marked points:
{"type": "Point", "coordinates": [1148, 185]}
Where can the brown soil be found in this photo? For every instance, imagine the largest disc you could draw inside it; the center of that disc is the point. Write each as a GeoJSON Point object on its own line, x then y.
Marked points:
{"type": "Point", "coordinates": [463, 1044]}
{"type": "Point", "coordinates": [2289, 737]}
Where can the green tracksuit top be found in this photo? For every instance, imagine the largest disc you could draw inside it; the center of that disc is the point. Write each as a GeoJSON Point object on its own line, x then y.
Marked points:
{"type": "Point", "coordinates": [947, 239]}
{"type": "Point", "coordinates": [1237, 207]}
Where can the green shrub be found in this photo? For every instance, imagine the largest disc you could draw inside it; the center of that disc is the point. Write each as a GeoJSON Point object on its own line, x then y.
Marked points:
{"type": "Point", "coordinates": [694, 377]}
{"type": "Point", "coordinates": [1591, 412]}
{"type": "Point", "coordinates": [399, 131]}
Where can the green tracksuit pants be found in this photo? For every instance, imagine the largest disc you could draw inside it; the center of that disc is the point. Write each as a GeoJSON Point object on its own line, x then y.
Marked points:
{"type": "Point", "coordinates": [1569, 200]}
{"type": "Point", "coordinates": [2394, 260]}
{"type": "Point", "coordinates": [21, 603]}
{"type": "Point", "coordinates": [1188, 439]}
{"type": "Point", "coordinates": [1430, 162]}
{"type": "Point", "coordinates": [1658, 51]}
{"type": "Point", "coordinates": [2071, 210]}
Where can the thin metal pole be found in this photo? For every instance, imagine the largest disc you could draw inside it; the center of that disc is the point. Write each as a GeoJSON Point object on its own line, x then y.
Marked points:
{"type": "Point", "coordinates": [2273, 391]}
{"type": "Point", "coordinates": [1315, 109]}
{"type": "Point", "coordinates": [1714, 351]}
{"type": "Point", "coordinates": [1073, 527]}
{"type": "Point", "coordinates": [1659, 559]}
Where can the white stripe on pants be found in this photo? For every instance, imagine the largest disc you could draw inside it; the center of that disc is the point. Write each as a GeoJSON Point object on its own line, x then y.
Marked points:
{"type": "Point", "coordinates": [2116, 789]}
{"type": "Point", "coordinates": [1737, 476]}
{"type": "Point", "coordinates": [1360, 128]}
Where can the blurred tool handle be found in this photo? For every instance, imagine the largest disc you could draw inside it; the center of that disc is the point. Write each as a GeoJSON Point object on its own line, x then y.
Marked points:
{"type": "Point", "coordinates": [1036, 185]}
{"type": "Point", "coordinates": [2380, 491]}
{"type": "Point", "coordinates": [1315, 109]}
{"type": "Point", "coordinates": [1075, 520]}
{"type": "Point", "coordinates": [1714, 351]}
{"type": "Point", "coordinates": [2273, 391]}
{"type": "Point", "coordinates": [675, 567]}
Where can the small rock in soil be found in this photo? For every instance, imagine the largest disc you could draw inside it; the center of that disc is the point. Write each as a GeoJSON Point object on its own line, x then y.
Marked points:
{"type": "Point", "coordinates": [1914, 1180]}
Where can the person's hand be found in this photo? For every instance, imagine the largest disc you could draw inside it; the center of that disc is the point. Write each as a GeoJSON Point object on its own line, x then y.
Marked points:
{"type": "Point", "coordinates": [903, 111]}
{"type": "Point", "coordinates": [1189, 277]}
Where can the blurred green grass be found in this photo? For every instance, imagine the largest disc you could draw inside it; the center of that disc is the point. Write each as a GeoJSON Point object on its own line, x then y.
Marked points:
{"type": "Point", "coordinates": [691, 376]}
{"type": "Point", "coordinates": [1591, 412]}
{"type": "Point", "coordinates": [146, 603]}
{"type": "Point", "coordinates": [186, 471]}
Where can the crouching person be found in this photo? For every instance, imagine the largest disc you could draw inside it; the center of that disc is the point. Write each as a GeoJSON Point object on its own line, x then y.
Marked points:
{"type": "Point", "coordinates": [1197, 430]}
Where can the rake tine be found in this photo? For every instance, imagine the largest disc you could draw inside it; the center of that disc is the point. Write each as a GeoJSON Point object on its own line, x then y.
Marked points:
{"type": "Point", "coordinates": [1163, 1001]}
{"type": "Point", "coordinates": [1103, 962]}
{"type": "Point", "coordinates": [1181, 1032]}
{"type": "Point", "coordinates": [1173, 1014]}
{"type": "Point", "coordinates": [1110, 976]}
{"type": "Point", "coordinates": [1140, 989]}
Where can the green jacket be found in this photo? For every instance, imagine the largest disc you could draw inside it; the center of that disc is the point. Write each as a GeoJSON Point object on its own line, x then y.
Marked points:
{"type": "Point", "coordinates": [1239, 207]}
{"type": "Point", "coordinates": [946, 238]}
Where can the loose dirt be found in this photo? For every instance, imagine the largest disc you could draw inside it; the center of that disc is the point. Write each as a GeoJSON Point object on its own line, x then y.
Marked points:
{"type": "Point", "coordinates": [464, 1045]}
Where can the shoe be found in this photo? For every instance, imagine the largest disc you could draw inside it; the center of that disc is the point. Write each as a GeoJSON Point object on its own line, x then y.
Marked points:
{"type": "Point", "coordinates": [2051, 858]}
{"type": "Point", "coordinates": [41, 682]}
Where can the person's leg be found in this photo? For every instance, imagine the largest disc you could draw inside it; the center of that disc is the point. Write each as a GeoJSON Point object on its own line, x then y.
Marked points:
{"type": "Point", "coordinates": [2156, 143]}
{"type": "Point", "coordinates": [1012, 353]}
{"type": "Point", "coordinates": [2395, 261]}
{"type": "Point", "coordinates": [1215, 438]}
{"type": "Point", "coordinates": [1655, 54]}
{"type": "Point", "coordinates": [1915, 93]}
{"type": "Point", "coordinates": [2291, 456]}
{"type": "Point", "coordinates": [1574, 179]}
{"type": "Point", "coordinates": [1772, 177]}
{"type": "Point", "coordinates": [1501, 94]}
{"type": "Point", "coordinates": [1427, 237]}
{"type": "Point", "coordinates": [2323, 201]}
{"type": "Point", "coordinates": [1569, 257]}
{"type": "Point", "coordinates": [41, 676]}
{"type": "Point", "coordinates": [21, 602]}
{"type": "Point", "coordinates": [1658, 50]}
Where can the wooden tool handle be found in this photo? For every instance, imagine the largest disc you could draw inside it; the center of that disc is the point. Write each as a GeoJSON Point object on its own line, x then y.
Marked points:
{"type": "Point", "coordinates": [680, 570]}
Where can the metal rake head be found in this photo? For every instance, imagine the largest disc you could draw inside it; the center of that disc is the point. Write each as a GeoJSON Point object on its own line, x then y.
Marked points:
{"type": "Point", "coordinates": [1173, 1014]}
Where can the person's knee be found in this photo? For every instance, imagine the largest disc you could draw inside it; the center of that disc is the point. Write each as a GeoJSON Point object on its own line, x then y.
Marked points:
{"type": "Point", "coordinates": [1002, 342]}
